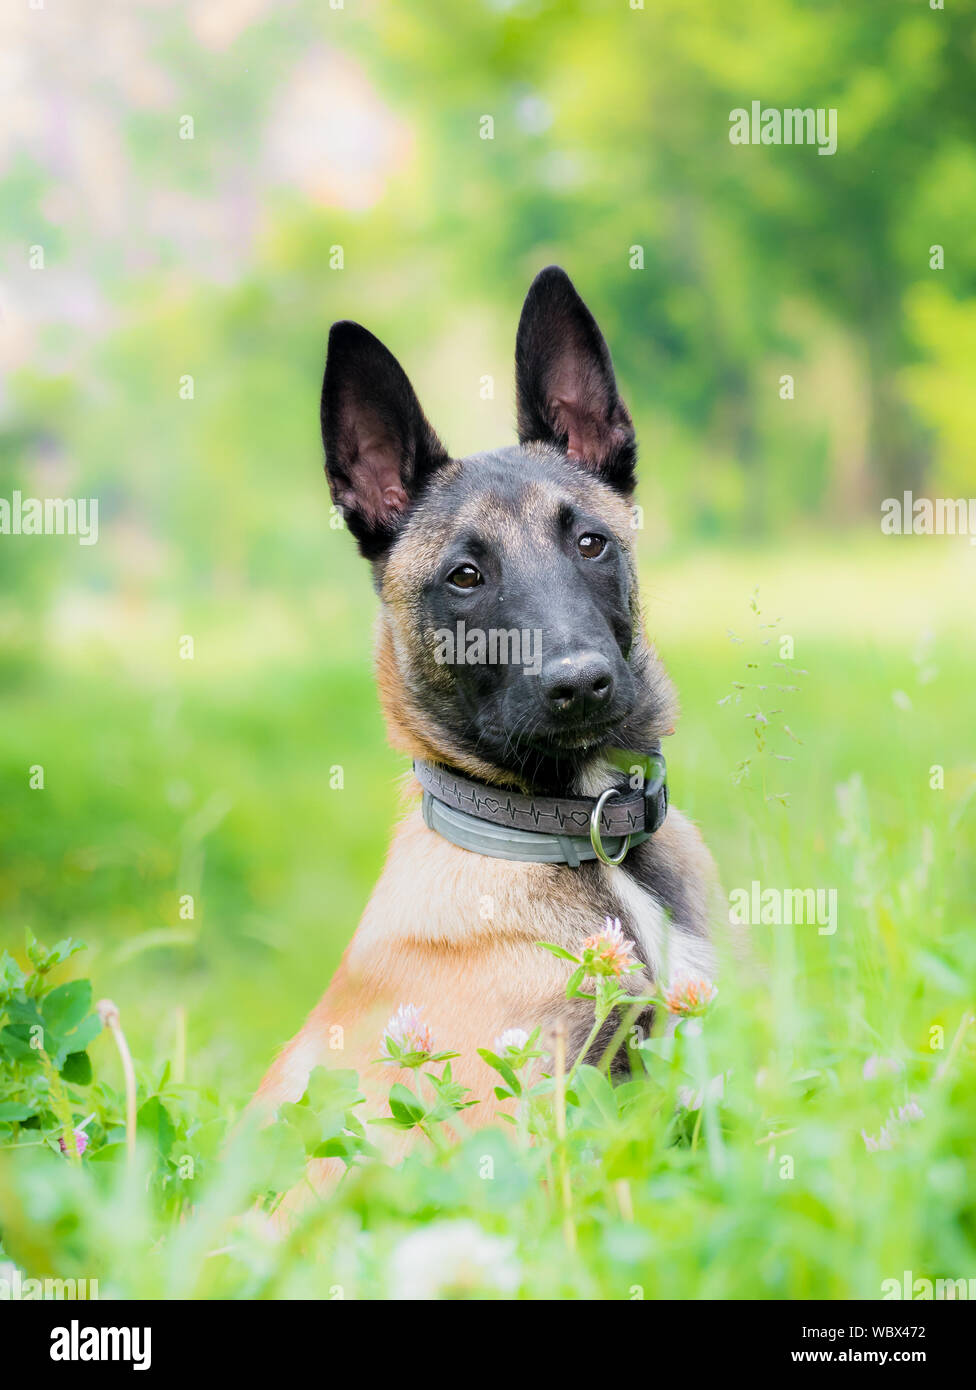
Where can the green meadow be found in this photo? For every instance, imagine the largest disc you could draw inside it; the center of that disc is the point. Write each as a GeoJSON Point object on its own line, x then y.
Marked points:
{"type": "Point", "coordinates": [215, 777]}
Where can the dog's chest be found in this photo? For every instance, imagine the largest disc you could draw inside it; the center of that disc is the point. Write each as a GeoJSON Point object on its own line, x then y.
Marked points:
{"type": "Point", "coordinates": [641, 916]}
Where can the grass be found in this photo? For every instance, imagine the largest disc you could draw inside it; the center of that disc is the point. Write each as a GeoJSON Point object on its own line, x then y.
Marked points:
{"type": "Point", "coordinates": [211, 778]}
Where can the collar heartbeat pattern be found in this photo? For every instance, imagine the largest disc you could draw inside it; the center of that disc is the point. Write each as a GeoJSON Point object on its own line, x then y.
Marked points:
{"type": "Point", "coordinates": [624, 815]}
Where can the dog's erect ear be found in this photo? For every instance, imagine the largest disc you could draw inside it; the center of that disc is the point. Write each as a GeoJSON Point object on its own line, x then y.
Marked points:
{"type": "Point", "coordinates": [379, 448]}
{"type": "Point", "coordinates": [567, 393]}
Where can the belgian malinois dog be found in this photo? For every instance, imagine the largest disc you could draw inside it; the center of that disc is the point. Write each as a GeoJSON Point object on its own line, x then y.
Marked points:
{"type": "Point", "coordinates": [532, 826]}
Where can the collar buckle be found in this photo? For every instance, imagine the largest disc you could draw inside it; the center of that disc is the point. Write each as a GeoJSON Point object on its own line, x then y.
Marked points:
{"type": "Point", "coordinates": [596, 839]}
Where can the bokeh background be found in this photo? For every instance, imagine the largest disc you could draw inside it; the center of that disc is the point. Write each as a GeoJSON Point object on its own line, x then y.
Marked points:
{"type": "Point", "coordinates": [336, 169]}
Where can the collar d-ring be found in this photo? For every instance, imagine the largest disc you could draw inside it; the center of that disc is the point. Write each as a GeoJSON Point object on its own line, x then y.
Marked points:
{"type": "Point", "coordinates": [596, 840]}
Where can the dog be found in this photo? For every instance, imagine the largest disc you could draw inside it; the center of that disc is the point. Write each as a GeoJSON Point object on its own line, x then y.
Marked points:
{"type": "Point", "coordinates": [544, 805]}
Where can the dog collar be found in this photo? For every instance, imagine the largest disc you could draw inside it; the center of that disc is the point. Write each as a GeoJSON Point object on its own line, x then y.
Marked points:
{"type": "Point", "coordinates": [546, 829]}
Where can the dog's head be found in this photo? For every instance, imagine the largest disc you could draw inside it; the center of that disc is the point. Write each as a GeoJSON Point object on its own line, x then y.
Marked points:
{"type": "Point", "coordinates": [510, 640]}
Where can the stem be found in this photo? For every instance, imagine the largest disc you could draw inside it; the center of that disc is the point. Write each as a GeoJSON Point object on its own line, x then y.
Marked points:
{"type": "Point", "coordinates": [714, 1147]}
{"type": "Point", "coordinates": [967, 1021]}
{"type": "Point", "coordinates": [62, 1108]}
{"type": "Point", "coordinates": [698, 1124]}
{"type": "Point", "coordinates": [569, 1229]}
{"type": "Point", "coordinates": [627, 1018]}
{"type": "Point", "coordinates": [179, 1048]}
{"type": "Point", "coordinates": [597, 1025]}
{"type": "Point", "coordinates": [109, 1014]}
{"type": "Point", "coordinates": [624, 1199]}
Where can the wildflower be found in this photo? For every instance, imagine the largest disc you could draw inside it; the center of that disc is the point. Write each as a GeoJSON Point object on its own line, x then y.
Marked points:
{"type": "Point", "coordinates": [81, 1138]}
{"type": "Point", "coordinates": [690, 995]}
{"type": "Point", "coordinates": [452, 1259]}
{"type": "Point", "coordinates": [690, 1099]}
{"type": "Point", "coordinates": [407, 1032]}
{"type": "Point", "coordinates": [888, 1134]}
{"type": "Point", "coordinates": [512, 1040]}
{"type": "Point", "coordinates": [877, 1067]}
{"type": "Point", "coordinates": [609, 952]}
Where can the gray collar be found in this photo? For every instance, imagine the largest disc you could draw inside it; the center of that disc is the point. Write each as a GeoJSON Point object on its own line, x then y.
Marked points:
{"type": "Point", "coordinates": [545, 829]}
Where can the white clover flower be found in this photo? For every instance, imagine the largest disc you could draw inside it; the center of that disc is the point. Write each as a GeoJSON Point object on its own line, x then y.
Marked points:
{"type": "Point", "coordinates": [408, 1031]}
{"type": "Point", "coordinates": [690, 1099]}
{"type": "Point", "coordinates": [877, 1067]}
{"type": "Point", "coordinates": [514, 1038]}
{"type": "Point", "coordinates": [452, 1258]}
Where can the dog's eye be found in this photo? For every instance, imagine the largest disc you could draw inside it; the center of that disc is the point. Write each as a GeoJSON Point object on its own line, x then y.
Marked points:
{"type": "Point", "coordinates": [465, 577]}
{"type": "Point", "coordinates": [591, 546]}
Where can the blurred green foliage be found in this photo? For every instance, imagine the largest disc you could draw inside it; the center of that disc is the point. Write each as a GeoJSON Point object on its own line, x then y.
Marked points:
{"type": "Point", "coordinates": [360, 128]}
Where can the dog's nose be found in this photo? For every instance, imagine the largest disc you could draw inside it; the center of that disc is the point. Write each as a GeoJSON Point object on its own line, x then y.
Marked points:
{"type": "Point", "coordinates": [577, 686]}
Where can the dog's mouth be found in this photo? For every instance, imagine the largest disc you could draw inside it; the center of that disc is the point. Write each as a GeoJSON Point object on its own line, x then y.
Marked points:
{"type": "Point", "coordinates": [575, 738]}
{"type": "Point", "coordinates": [527, 742]}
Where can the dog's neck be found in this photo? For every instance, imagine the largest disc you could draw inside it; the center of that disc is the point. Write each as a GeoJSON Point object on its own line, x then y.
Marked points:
{"type": "Point", "coordinates": [412, 729]}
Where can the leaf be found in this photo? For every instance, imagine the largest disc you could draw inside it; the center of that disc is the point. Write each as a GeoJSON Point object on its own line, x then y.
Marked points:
{"type": "Point", "coordinates": [15, 1040]}
{"type": "Point", "coordinates": [404, 1105]}
{"type": "Point", "coordinates": [24, 1011]}
{"type": "Point", "coordinates": [77, 1069]}
{"type": "Point", "coordinates": [346, 1146]}
{"type": "Point", "coordinates": [558, 951]}
{"type": "Point", "coordinates": [44, 960]}
{"type": "Point", "coordinates": [64, 950]}
{"type": "Point", "coordinates": [13, 1110]}
{"type": "Point", "coordinates": [57, 1033]}
{"type": "Point", "coordinates": [65, 1007]}
{"type": "Point", "coordinates": [108, 1153]}
{"type": "Point", "coordinates": [36, 953]}
{"type": "Point", "coordinates": [11, 975]}
{"type": "Point", "coordinates": [574, 982]}
{"type": "Point", "coordinates": [153, 1120]}
{"type": "Point", "coordinates": [632, 1093]}
{"type": "Point", "coordinates": [80, 1037]}
{"type": "Point", "coordinates": [279, 1157]}
{"type": "Point", "coordinates": [303, 1120]}
{"type": "Point", "coordinates": [593, 1089]}
{"type": "Point", "coordinates": [503, 1068]}
{"type": "Point", "coordinates": [333, 1089]}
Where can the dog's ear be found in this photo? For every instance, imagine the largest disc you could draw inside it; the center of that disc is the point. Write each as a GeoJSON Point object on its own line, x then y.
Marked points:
{"type": "Point", "coordinates": [379, 448]}
{"type": "Point", "coordinates": [566, 389]}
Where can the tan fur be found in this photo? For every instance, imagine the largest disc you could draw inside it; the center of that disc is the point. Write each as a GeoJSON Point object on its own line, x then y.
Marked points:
{"type": "Point", "coordinates": [453, 932]}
